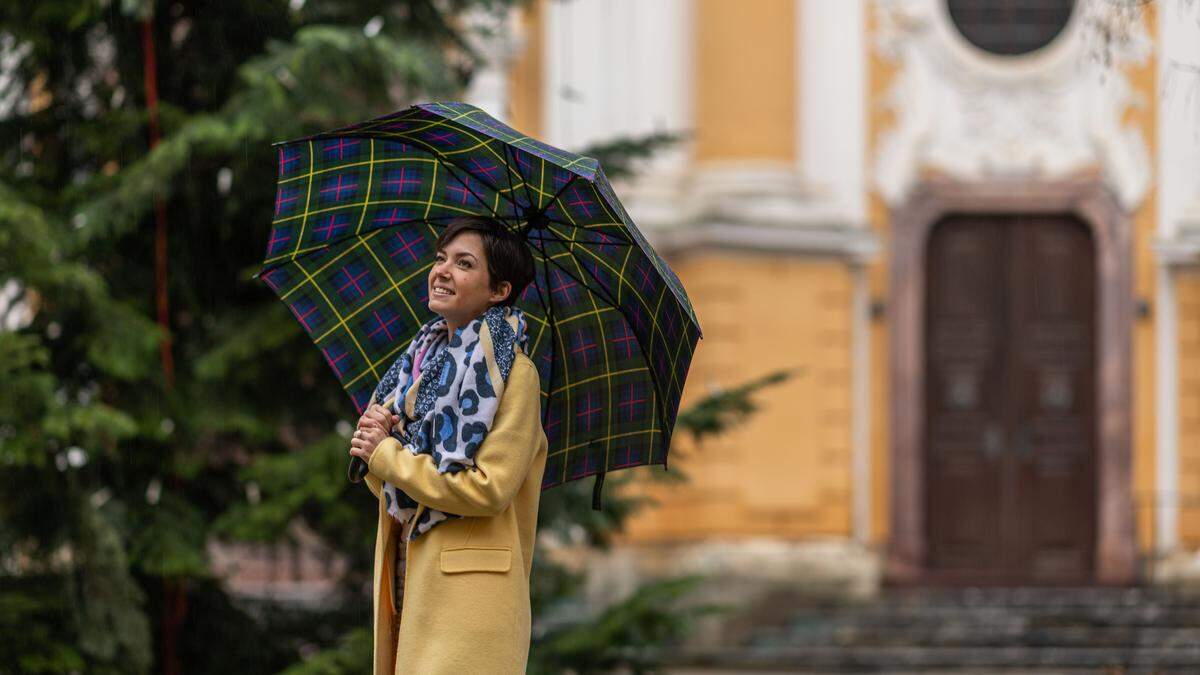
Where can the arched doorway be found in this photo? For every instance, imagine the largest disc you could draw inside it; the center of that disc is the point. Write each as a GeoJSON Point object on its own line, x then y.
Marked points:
{"type": "Point", "coordinates": [913, 555]}
{"type": "Point", "coordinates": [1009, 433]}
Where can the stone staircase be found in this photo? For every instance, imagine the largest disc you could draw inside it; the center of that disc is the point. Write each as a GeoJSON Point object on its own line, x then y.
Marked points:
{"type": "Point", "coordinates": [1044, 630]}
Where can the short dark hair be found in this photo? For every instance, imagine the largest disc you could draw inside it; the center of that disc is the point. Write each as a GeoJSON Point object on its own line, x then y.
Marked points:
{"type": "Point", "coordinates": [508, 258]}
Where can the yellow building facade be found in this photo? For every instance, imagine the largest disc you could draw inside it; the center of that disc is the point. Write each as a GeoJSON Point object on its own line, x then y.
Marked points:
{"type": "Point", "coordinates": [897, 202]}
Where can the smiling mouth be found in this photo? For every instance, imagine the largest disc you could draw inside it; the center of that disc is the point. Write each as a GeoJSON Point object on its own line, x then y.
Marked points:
{"type": "Point", "coordinates": [443, 292]}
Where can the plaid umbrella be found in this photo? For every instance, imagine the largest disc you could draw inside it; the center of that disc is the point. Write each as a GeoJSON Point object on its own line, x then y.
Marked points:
{"type": "Point", "coordinates": [357, 213]}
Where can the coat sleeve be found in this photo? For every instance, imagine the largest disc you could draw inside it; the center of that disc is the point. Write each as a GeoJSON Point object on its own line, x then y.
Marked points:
{"type": "Point", "coordinates": [374, 485]}
{"type": "Point", "coordinates": [501, 463]}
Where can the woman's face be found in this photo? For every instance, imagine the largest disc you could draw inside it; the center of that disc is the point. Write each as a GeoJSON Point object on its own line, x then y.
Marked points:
{"type": "Point", "coordinates": [459, 284]}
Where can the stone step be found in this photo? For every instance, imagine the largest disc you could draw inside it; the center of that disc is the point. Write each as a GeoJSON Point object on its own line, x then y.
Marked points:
{"type": "Point", "coordinates": [1127, 618]}
{"type": "Point", "coordinates": [1036, 597]}
{"type": "Point", "coordinates": [891, 659]}
{"type": "Point", "coordinates": [984, 635]}
{"type": "Point", "coordinates": [889, 615]}
{"type": "Point", "coordinates": [1128, 630]}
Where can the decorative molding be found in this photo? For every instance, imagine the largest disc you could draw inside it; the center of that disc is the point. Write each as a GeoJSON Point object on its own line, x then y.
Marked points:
{"type": "Point", "coordinates": [1178, 179]}
{"type": "Point", "coordinates": [759, 206]}
{"type": "Point", "coordinates": [1182, 250]}
{"type": "Point", "coordinates": [720, 203]}
{"type": "Point", "coordinates": [975, 116]}
{"type": "Point", "coordinates": [855, 245]}
{"type": "Point", "coordinates": [759, 193]}
{"type": "Point", "coordinates": [1179, 245]}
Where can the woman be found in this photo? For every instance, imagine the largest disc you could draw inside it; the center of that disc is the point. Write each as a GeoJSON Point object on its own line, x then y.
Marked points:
{"type": "Point", "coordinates": [456, 455]}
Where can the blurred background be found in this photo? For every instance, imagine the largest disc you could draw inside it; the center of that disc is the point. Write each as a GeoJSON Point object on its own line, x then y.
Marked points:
{"type": "Point", "coordinates": [945, 254]}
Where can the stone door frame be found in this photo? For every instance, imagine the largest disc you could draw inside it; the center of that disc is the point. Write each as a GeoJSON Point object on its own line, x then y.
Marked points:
{"type": "Point", "coordinates": [1110, 226]}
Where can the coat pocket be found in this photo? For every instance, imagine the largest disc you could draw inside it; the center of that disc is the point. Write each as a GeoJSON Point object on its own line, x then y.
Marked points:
{"type": "Point", "coordinates": [475, 559]}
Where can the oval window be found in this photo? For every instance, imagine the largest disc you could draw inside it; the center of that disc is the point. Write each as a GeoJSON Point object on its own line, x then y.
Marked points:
{"type": "Point", "coordinates": [1010, 27]}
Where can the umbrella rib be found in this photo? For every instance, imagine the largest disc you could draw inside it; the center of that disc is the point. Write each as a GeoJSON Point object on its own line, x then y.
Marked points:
{"type": "Point", "coordinates": [605, 296]}
{"type": "Point", "coordinates": [581, 227]}
{"type": "Point", "coordinates": [559, 238]}
{"type": "Point", "coordinates": [453, 174]}
{"type": "Point", "coordinates": [562, 189]}
{"type": "Point", "coordinates": [573, 225]}
{"type": "Point", "coordinates": [448, 166]}
{"type": "Point", "coordinates": [662, 420]}
{"type": "Point", "coordinates": [508, 149]}
{"type": "Point", "coordinates": [508, 176]}
{"type": "Point", "coordinates": [441, 159]}
{"type": "Point", "coordinates": [340, 240]}
{"type": "Point", "coordinates": [549, 306]}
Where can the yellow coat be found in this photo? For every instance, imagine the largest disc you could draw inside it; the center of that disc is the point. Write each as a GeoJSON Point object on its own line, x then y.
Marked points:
{"type": "Point", "coordinates": [465, 607]}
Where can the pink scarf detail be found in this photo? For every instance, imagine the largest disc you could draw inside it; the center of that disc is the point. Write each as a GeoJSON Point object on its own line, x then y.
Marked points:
{"type": "Point", "coordinates": [417, 362]}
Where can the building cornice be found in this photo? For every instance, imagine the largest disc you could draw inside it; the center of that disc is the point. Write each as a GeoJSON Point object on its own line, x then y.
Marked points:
{"type": "Point", "coordinates": [1181, 250]}
{"type": "Point", "coordinates": [854, 244]}
{"type": "Point", "coordinates": [749, 206]}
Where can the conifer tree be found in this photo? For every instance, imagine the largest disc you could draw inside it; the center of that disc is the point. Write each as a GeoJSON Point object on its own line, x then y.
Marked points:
{"type": "Point", "coordinates": [121, 464]}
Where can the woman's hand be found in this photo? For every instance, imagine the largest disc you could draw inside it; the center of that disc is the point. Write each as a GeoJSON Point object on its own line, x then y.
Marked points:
{"type": "Point", "coordinates": [380, 416]}
{"type": "Point", "coordinates": [375, 425]}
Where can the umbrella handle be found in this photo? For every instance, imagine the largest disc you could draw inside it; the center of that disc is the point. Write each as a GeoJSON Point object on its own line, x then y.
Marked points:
{"type": "Point", "coordinates": [358, 469]}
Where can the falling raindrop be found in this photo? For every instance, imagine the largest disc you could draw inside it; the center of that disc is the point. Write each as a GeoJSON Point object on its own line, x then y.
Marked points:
{"type": "Point", "coordinates": [153, 491]}
{"type": "Point", "coordinates": [76, 456]}
{"type": "Point", "coordinates": [373, 26]}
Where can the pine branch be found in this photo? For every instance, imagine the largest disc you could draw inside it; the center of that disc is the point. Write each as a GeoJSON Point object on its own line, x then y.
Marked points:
{"type": "Point", "coordinates": [78, 186]}
{"type": "Point", "coordinates": [620, 156]}
{"type": "Point", "coordinates": [33, 611]}
{"type": "Point", "coordinates": [296, 88]}
{"type": "Point", "coordinates": [108, 603]}
{"type": "Point", "coordinates": [652, 616]}
{"type": "Point", "coordinates": [350, 656]}
{"type": "Point", "coordinates": [722, 410]}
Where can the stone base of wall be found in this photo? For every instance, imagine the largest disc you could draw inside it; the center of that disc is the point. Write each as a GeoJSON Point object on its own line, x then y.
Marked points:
{"type": "Point", "coordinates": [755, 577]}
{"type": "Point", "coordinates": [1179, 571]}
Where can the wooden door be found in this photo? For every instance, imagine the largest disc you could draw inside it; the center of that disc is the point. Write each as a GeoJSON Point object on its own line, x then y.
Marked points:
{"type": "Point", "coordinates": [1010, 400]}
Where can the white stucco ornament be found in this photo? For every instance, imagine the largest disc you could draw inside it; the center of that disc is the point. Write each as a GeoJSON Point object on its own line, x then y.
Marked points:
{"type": "Point", "coordinates": [975, 116]}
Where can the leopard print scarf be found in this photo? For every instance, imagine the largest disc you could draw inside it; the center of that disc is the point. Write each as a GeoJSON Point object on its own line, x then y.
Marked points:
{"type": "Point", "coordinates": [446, 411]}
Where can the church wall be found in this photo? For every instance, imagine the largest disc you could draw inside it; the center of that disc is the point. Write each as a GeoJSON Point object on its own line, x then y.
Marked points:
{"type": "Point", "coordinates": [1188, 374]}
{"type": "Point", "coordinates": [785, 472]}
{"type": "Point", "coordinates": [740, 91]}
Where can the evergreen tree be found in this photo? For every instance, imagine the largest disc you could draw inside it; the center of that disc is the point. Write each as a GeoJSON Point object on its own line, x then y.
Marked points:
{"type": "Point", "coordinates": [123, 460]}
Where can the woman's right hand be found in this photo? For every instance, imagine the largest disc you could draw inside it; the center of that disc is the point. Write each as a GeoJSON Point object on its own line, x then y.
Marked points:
{"type": "Point", "coordinates": [378, 416]}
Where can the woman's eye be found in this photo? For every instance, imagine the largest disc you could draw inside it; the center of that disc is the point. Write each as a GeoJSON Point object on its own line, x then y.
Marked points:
{"type": "Point", "coordinates": [464, 264]}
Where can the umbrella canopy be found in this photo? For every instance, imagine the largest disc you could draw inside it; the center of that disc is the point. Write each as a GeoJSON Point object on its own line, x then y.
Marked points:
{"type": "Point", "coordinates": [611, 330]}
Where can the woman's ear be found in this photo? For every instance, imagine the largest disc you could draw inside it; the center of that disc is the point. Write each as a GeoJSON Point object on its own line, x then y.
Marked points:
{"type": "Point", "coordinates": [500, 292]}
